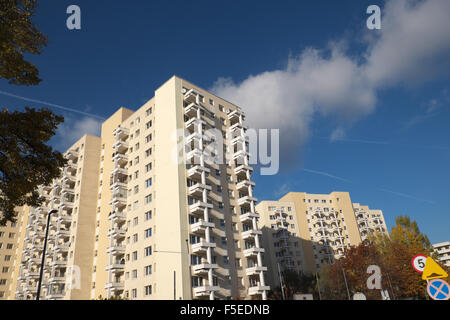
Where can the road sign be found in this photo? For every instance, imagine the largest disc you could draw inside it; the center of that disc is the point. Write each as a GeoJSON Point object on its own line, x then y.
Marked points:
{"type": "Point", "coordinates": [418, 262]}
{"type": "Point", "coordinates": [359, 296]}
{"type": "Point", "coordinates": [438, 289]}
{"type": "Point", "coordinates": [433, 270]}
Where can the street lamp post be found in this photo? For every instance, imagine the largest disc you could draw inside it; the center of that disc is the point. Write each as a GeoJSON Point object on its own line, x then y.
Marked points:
{"type": "Point", "coordinates": [43, 254]}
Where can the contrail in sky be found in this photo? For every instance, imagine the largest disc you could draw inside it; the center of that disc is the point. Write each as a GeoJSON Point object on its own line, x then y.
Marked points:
{"type": "Point", "coordinates": [404, 195]}
{"type": "Point", "coordinates": [51, 105]}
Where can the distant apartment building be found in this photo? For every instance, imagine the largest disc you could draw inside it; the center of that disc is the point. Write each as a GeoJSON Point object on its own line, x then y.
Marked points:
{"type": "Point", "coordinates": [133, 221]}
{"type": "Point", "coordinates": [302, 232]}
{"type": "Point", "coordinates": [443, 251]}
{"type": "Point", "coordinates": [9, 235]}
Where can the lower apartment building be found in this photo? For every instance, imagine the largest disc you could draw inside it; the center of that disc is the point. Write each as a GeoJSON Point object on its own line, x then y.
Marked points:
{"type": "Point", "coordinates": [302, 232]}
{"type": "Point", "coordinates": [442, 249]}
{"type": "Point", "coordinates": [10, 247]}
{"type": "Point", "coordinates": [150, 210]}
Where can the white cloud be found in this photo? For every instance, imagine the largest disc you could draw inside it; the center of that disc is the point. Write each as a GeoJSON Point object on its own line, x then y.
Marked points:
{"type": "Point", "coordinates": [412, 46]}
{"type": "Point", "coordinates": [73, 129]}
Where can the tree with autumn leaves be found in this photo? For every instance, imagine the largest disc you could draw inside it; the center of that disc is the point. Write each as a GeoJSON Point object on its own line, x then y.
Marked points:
{"type": "Point", "coordinates": [393, 254]}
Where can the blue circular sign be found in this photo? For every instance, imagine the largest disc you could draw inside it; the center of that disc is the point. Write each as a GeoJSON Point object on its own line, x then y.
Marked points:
{"type": "Point", "coordinates": [438, 289]}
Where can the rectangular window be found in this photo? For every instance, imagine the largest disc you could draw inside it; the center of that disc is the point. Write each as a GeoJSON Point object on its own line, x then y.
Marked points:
{"type": "Point", "coordinates": [148, 198]}
{"type": "Point", "coordinates": [148, 167]}
{"type": "Point", "coordinates": [148, 215]}
{"type": "Point", "coordinates": [148, 182]}
{"type": "Point", "coordinates": [148, 270]}
{"type": "Point", "coordinates": [148, 124]}
{"type": "Point", "coordinates": [148, 290]}
{"type": "Point", "coordinates": [148, 138]}
{"type": "Point", "coordinates": [148, 251]}
{"type": "Point", "coordinates": [148, 233]}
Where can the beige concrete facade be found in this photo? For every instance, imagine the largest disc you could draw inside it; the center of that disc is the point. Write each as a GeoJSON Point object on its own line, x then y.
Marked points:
{"type": "Point", "coordinates": [68, 261]}
{"type": "Point", "coordinates": [10, 253]}
{"type": "Point", "coordinates": [304, 231]}
{"type": "Point", "coordinates": [149, 225]}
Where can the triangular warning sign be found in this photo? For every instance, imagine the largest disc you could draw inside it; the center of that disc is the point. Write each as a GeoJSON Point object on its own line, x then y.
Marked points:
{"type": "Point", "coordinates": [433, 270]}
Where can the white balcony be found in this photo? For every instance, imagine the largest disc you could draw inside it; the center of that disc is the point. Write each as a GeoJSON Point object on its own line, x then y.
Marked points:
{"type": "Point", "coordinates": [120, 146]}
{"type": "Point", "coordinates": [117, 285]}
{"type": "Point", "coordinates": [235, 115]}
{"type": "Point", "coordinates": [66, 204]}
{"type": "Point", "coordinates": [249, 234]}
{"type": "Point", "coordinates": [196, 171]}
{"type": "Point", "coordinates": [238, 127]}
{"type": "Point", "coordinates": [193, 123]}
{"type": "Point", "coordinates": [119, 170]}
{"type": "Point", "coordinates": [37, 246]}
{"type": "Point", "coordinates": [118, 216]}
{"type": "Point", "coordinates": [242, 170]}
{"type": "Point", "coordinates": [256, 270]}
{"type": "Point", "coordinates": [57, 280]}
{"type": "Point", "coordinates": [243, 185]}
{"type": "Point", "coordinates": [240, 154]}
{"type": "Point", "coordinates": [55, 296]}
{"type": "Point", "coordinates": [203, 268]}
{"type": "Point", "coordinates": [117, 184]}
{"type": "Point", "coordinates": [61, 247]}
{"type": "Point", "coordinates": [253, 252]}
{"type": "Point", "coordinates": [245, 201]}
{"type": "Point", "coordinates": [67, 178]}
{"type": "Point", "coordinates": [197, 189]}
{"type": "Point", "coordinates": [191, 109]}
{"type": "Point", "coordinates": [257, 290]}
{"type": "Point", "coordinates": [121, 133]}
{"type": "Point", "coordinates": [192, 95]}
{"type": "Point", "coordinates": [116, 250]}
{"type": "Point", "coordinates": [62, 233]}
{"type": "Point", "coordinates": [120, 158]}
{"type": "Point", "coordinates": [65, 218]}
{"type": "Point", "coordinates": [116, 267]}
{"type": "Point", "coordinates": [71, 155]}
{"type": "Point", "coordinates": [117, 233]}
{"type": "Point", "coordinates": [202, 247]}
{"type": "Point", "coordinates": [33, 273]}
{"type": "Point", "coordinates": [200, 227]}
{"type": "Point", "coordinates": [193, 156]}
{"type": "Point", "coordinates": [199, 207]}
{"type": "Point", "coordinates": [248, 217]}
{"type": "Point", "coordinates": [204, 290]}
{"type": "Point", "coordinates": [59, 262]}
{"type": "Point", "coordinates": [194, 137]}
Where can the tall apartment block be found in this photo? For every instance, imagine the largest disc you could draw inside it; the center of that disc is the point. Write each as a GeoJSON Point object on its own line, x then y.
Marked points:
{"type": "Point", "coordinates": [443, 251]}
{"type": "Point", "coordinates": [302, 232]}
{"type": "Point", "coordinates": [71, 200]}
{"type": "Point", "coordinates": [143, 212]}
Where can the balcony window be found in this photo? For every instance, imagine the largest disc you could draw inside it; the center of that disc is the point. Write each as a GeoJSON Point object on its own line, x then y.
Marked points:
{"type": "Point", "coordinates": [197, 282]}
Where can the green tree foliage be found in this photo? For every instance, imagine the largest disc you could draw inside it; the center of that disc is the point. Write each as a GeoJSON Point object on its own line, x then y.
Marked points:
{"type": "Point", "coordinates": [18, 35]}
{"type": "Point", "coordinates": [26, 161]}
{"type": "Point", "coordinates": [407, 232]}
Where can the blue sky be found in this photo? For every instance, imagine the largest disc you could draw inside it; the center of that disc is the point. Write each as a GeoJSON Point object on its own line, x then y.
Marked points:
{"type": "Point", "coordinates": [368, 110]}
